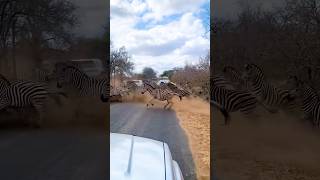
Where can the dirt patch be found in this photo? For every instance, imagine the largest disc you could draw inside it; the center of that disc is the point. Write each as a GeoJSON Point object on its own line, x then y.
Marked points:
{"type": "Point", "coordinates": [194, 116]}
{"type": "Point", "coordinates": [269, 146]}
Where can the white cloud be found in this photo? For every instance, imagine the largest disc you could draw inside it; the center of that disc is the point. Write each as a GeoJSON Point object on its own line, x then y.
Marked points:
{"type": "Point", "coordinates": [161, 46]}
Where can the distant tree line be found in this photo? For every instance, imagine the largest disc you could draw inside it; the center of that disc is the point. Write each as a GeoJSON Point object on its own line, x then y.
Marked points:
{"type": "Point", "coordinates": [35, 24]}
{"type": "Point", "coordinates": [282, 39]}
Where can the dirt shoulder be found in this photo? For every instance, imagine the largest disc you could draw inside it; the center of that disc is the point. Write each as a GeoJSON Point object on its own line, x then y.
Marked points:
{"type": "Point", "coordinates": [194, 117]}
{"type": "Point", "coordinates": [270, 146]}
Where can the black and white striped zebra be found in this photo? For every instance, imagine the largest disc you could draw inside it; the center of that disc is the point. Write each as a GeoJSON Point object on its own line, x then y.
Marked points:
{"type": "Point", "coordinates": [228, 100]}
{"type": "Point", "coordinates": [87, 86]}
{"type": "Point", "coordinates": [310, 100]}
{"type": "Point", "coordinates": [235, 77]}
{"type": "Point", "coordinates": [265, 91]}
{"type": "Point", "coordinates": [24, 94]}
{"type": "Point", "coordinates": [176, 89]}
{"type": "Point", "coordinates": [158, 92]}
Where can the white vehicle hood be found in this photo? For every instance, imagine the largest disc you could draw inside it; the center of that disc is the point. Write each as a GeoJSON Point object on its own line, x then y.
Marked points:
{"type": "Point", "coordinates": [136, 158]}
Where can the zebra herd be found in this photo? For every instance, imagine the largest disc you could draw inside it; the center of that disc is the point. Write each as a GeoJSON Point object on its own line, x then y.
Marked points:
{"type": "Point", "coordinates": [161, 92]}
{"type": "Point", "coordinates": [244, 91]}
{"type": "Point", "coordinates": [26, 93]}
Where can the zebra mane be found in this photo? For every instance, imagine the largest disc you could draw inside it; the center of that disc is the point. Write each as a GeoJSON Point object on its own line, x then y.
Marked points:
{"type": "Point", "coordinates": [5, 80]}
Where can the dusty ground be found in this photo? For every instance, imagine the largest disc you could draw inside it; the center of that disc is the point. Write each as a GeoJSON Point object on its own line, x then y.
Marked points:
{"type": "Point", "coordinates": [269, 146]}
{"type": "Point", "coordinates": [71, 112]}
{"type": "Point", "coordinates": [194, 116]}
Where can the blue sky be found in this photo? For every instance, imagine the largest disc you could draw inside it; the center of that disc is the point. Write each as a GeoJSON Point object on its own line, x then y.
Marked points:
{"type": "Point", "coordinates": [161, 34]}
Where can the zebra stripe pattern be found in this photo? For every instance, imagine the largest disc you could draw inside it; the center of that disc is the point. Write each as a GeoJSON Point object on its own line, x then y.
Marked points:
{"type": "Point", "coordinates": [235, 77]}
{"type": "Point", "coordinates": [310, 100]}
{"type": "Point", "coordinates": [87, 86]}
{"type": "Point", "coordinates": [228, 100]}
{"type": "Point", "coordinates": [269, 94]}
{"type": "Point", "coordinates": [157, 92]}
{"type": "Point", "coordinates": [178, 90]}
{"type": "Point", "coordinates": [21, 94]}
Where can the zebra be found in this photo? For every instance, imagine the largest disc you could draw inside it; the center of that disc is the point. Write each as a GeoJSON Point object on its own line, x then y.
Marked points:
{"type": "Point", "coordinates": [310, 99]}
{"type": "Point", "coordinates": [158, 92]}
{"type": "Point", "coordinates": [87, 86]}
{"type": "Point", "coordinates": [22, 94]}
{"type": "Point", "coordinates": [132, 86]}
{"type": "Point", "coordinates": [266, 92]}
{"type": "Point", "coordinates": [235, 77]}
{"type": "Point", "coordinates": [176, 89]}
{"type": "Point", "coordinates": [229, 100]}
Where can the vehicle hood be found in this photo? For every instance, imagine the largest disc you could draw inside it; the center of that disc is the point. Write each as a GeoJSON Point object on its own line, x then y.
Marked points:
{"type": "Point", "coordinates": [136, 158]}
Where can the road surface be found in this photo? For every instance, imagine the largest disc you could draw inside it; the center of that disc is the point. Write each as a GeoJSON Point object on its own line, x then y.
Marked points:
{"type": "Point", "coordinates": [28, 154]}
{"type": "Point", "coordinates": [155, 123]}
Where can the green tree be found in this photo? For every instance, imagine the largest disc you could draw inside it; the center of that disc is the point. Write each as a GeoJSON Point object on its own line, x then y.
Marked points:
{"type": "Point", "coordinates": [167, 73]}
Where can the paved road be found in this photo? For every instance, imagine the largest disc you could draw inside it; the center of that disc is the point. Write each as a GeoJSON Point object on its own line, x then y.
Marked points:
{"type": "Point", "coordinates": [154, 123]}
{"type": "Point", "coordinates": [53, 154]}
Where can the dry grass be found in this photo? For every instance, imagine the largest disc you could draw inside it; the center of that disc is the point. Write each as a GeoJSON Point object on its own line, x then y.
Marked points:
{"type": "Point", "coordinates": [271, 146]}
{"type": "Point", "coordinates": [194, 116]}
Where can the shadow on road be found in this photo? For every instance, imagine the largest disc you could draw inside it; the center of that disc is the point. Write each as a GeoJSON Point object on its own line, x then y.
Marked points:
{"type": "Point", "coordinates": [64, 153]}
{"type": "Point", "coordinates": [155, 123]}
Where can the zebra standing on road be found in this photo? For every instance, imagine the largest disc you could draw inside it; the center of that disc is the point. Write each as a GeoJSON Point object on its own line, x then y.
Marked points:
{"type": "Point", "coordinates": [22, 94]}
{"type": "Point", "coordinates": [310, 100]}
{"type": "Point", "coordinates": [87, 86]}
{"type": "Point", "coordinates": [158, 92]}
{"type": "Point", "coordinates": [268, 94]}
{"type": "Point", "coordinates": [228, 100]}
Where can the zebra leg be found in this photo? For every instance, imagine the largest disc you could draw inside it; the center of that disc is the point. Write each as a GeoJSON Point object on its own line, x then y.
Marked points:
{"type": "Point", "coordinates": [166, 104]}
{"type": "Point", "coordinates": [150, 102]}
{"type": "Point", "coordinates": [223, 111]}
{"type": "Point", "coordinates": [169, 106]}
{"type": "Point", "coordinates": [38, 105]}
